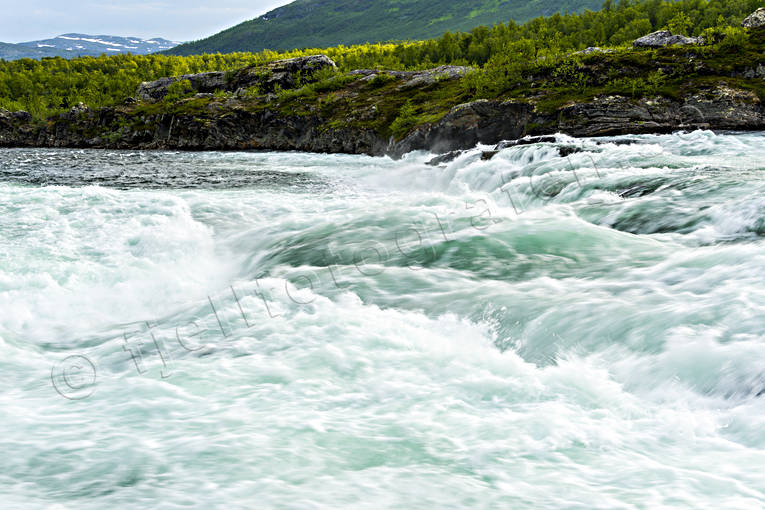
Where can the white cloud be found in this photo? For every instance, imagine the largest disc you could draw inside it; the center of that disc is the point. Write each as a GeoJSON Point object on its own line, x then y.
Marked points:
{"type": "Point", "coordinates": [171, 19]}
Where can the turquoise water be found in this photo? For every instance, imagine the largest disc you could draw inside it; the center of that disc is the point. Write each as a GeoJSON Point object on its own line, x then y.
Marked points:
{"type": "Point", "coordinates": [282, 330]}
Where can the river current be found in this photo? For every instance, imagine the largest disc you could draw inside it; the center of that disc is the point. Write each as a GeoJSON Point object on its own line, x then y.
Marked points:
{"type": "Point", "coordinates": [544, 329]}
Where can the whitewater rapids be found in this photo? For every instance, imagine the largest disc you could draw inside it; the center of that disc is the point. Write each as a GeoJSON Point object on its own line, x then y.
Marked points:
{"type": "Point", "coordinates": [285, 330]}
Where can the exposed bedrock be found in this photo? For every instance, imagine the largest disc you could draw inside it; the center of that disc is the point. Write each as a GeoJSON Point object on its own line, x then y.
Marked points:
{"type": "Point", "coordinates": [286, 74]}
{"type": "Point", "coordinates": [466, 125]}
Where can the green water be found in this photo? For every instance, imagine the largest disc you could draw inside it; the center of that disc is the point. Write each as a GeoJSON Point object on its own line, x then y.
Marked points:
{"type": "Point", "coordinates": [282, 330]}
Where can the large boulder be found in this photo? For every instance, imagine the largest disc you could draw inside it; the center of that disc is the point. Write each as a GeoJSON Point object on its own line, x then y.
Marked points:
{"type": "Point", "coordinates": [22, 116]}
{"type": "Point", "coordinates": [286, 74]}
{"type": "Point", "coordinates": [14, 127]}
{"type": "Point", "coordinates": [203, 82]}
{"type": "Point", "coordinates": [663, 38]}
{"type": "Point", "coordinates": [6, 118]}
{"type": "Point", "coordinates": [755, 20]}
{"type": "Point", "coordinates": [19, 116]}
{"type": "Point", "coordinates": [413, 79]}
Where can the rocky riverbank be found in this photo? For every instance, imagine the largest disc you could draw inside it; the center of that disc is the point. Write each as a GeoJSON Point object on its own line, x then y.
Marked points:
{"type": "Point", "coordinates": [305, 104]}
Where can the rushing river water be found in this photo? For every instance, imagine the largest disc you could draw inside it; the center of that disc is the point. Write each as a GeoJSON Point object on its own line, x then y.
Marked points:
{"type": "Point", "coordinates": [281, 330]}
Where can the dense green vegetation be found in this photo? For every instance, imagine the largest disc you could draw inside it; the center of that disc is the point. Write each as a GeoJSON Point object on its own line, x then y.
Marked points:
{"type": "Point", "coordinates": [504, 53]}
{"type": "Point", "coordinates": [548, 84]}
{"type": "Point", "coordinates": [312, 23]}
{"type": "Point", "coordinates": [389, 105]}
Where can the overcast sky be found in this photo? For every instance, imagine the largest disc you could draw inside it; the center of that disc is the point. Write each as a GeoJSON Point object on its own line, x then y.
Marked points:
{"type": "Point", "coordinates": [29, 20]}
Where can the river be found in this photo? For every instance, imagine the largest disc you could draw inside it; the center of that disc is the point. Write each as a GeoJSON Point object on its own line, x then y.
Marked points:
{"type": "Point", "coordinates": [288, 330]}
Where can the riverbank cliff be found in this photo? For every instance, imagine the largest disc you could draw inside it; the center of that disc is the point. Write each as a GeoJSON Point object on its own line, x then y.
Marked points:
{"type": "Point", "coordinates": [304, 104]}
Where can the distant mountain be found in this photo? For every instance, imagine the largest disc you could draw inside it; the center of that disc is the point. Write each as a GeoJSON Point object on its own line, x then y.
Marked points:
{"type": "Point", "coordinates": [321, 23]}
{"type": "Point", "coordinates": [76, 45]}
{"type": "Point", "coordinates": [10, 51]}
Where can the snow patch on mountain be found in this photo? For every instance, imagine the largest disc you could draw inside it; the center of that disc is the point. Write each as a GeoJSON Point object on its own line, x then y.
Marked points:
{"type": "Point", "coordinates": [75, 45]}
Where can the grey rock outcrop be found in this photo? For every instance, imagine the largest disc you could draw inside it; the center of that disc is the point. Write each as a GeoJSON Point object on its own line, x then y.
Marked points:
{"type": "Point", "coordinates": [754, 72]}
{"type": "Point", "coordinates": [15, 126]}
{"type": "Point", "coordinates": [19, 116]}
{"type": "Point", "coordinates": [6, 117]}
{"type": "Point", "coordinates": [203, 82]}
{"type": "Point", "coordinates": [493, 121]}
{"type": "Point", "coordinates": [418, 78]}
{"type": "Point", "coordinates": [755, 20]}
{"type": "Point", "coordinates": [78, 108]}
{"type": "Point", "coordinates": [592, 49]}
{"type": "Point", "coordinates": [232, 123]}
{"type": "Point", "coordinates": [237, 128]}
{"type": "Point", "coordinates": [663, 38]}
{"type": "Point", "coordinates": [720, 108]}
{"type": "Point", "coordinates": [286, 74]}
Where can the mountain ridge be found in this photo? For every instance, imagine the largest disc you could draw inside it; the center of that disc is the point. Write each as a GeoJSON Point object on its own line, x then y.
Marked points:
{"type": "Point", "coordinates": [72, 45]}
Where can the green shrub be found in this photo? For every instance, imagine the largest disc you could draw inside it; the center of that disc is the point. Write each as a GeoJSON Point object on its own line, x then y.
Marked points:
{"type": "Point", "coordinates": [654, 82]}
{"type": "Point", "coordinates": [567, 72]}
{"type": "Point", "coordinates": [178, 90]}
{"type": "Point", "coordinates": [333, 83]}
{"type": "Point", "coordinates": [680, 24]}
{"type": "Point", "coordinates": [381, 80]}
{"type": "Point", "coordinates": [406, 120]}
{"type": "Point", "coordinates": [734, 38]}
{"type": "Point", "coordinates": [254, 91]}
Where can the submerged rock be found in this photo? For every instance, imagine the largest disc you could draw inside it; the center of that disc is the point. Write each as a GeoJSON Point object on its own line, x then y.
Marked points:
{"type": "Point", "coordinates": [528, 140]}
{"type": "Point", "coordinates": [755, 20]}
{"type": "Point", "coordinates": [567, 150]}
{"type": "Point", "coordinates": [445, 158]}
{"type": "Point", "coordinates": [563, 151]}
{"type": "Point", "coordinates": [663, 38]}
{"type": "Point", "coordinates": [616, 142]}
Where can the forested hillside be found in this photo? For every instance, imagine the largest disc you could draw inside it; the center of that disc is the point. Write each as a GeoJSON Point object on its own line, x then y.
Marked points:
{"type": "Point", "coordinates": [316, 23]}
{"type": "Point", "coordinates": [52, 85]}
